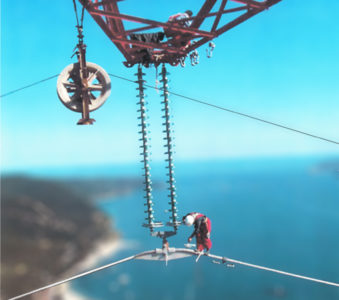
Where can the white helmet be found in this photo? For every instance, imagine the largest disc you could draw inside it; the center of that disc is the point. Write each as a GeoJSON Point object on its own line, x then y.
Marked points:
{"type": "Point", "coordinates": [189, 220]}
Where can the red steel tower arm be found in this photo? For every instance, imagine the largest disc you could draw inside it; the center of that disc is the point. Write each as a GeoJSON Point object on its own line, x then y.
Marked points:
{"type": "Point", "coordinates": [183, 38]}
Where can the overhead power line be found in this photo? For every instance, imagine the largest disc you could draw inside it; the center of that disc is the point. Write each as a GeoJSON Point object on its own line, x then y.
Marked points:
{"type": "Point", "coordinates": [160, 254]}
{"type": "Point", "coordinates": [236, 112]}
{"type": "Point", "coordinates": [73, 277]}
{"type": "Point", "coordinates": [230, 260]}
{"type": "Point", "coordinates": [27, 86]}
{"type": "Point", "coordinates": [200, 102]}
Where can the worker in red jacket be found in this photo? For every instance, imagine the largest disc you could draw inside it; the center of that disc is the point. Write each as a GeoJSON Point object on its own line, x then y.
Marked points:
{"type": "Point", "coordinates": [202, 230]}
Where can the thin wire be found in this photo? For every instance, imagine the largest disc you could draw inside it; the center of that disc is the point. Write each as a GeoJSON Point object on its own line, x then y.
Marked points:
{"type": "Point", "coordinates": [237, 113]}
{"type": "Point", "coordinates": [139, 256]}
{"type": "Point", "coordinates": [73, 277]}
{"type": "Point", "coordinates": [82, 16]}
{"type": "Point", "coordinates": [197, 101]}
{"type": "Point", "coordinates": [225, 259]}
{"type": "Point", "coordinates": [76, 12]}
{"type": "Point", "coordinates": [27, 86]}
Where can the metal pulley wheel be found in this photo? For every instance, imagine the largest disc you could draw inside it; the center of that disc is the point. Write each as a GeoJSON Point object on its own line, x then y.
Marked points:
{"type": "Point", "coordinates": [69, 86]}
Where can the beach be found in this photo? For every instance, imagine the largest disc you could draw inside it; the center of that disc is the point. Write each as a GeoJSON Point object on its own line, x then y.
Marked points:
{"type": "Point", "coordinates": [103, 250]}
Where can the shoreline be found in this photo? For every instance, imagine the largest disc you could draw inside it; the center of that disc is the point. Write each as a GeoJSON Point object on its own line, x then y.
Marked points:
{"type": "Point", "coordinates": [101, 251]}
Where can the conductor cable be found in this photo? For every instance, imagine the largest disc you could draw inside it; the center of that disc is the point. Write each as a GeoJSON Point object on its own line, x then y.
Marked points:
{"type": "Point", "coordinates": [237, 113]}
{"type": "Point", "coordinates": [200, 102]}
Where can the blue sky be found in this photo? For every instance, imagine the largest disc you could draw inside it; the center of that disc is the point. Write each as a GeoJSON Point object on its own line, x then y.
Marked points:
{"type": "Point", "coordinates": [281, 65]}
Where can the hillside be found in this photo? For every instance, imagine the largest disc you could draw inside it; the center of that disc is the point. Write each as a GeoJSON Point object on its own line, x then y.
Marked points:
{"type": "Point", "coordinates": [94, 188]}
{"type": "Point", "coordinates": [46, 228]}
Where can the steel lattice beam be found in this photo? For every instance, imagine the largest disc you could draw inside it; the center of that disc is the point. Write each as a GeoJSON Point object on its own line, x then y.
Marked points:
{"type": "Point", "coordinates": [106, 13]}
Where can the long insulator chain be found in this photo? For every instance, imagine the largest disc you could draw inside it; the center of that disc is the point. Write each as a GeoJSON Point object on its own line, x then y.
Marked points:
{"type": "Point", "coordinates": [169, 151]}
{"type": "Point", "coordinates": [145, 152]}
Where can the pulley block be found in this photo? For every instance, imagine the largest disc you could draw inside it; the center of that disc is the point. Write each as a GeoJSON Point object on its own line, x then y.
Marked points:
{"type": "Point", "coordinates": [72, 89]}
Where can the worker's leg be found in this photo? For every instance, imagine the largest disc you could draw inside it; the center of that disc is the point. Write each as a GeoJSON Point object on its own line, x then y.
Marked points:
{"type": "Point", "coordinates": [208, 225]}
{"type": "Point", "coordinates": [207, 240]}
{"type": "Point", "coordinates": [200, 242]}
{"type": "Point", "coordinates": [207, 244]}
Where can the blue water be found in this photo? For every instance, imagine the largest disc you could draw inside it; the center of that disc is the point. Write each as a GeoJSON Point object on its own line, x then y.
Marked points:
{"type": "Point", "coordinates": [280, 213]}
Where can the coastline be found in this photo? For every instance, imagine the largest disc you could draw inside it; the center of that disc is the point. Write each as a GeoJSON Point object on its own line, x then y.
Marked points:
{"type": "Point", "coordinates": [103, 249]}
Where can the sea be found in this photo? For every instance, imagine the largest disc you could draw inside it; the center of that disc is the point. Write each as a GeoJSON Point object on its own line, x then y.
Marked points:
{"type": "Point", "coordinates": [278, 212]}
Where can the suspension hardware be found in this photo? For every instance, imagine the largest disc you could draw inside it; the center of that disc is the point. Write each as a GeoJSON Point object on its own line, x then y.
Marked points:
{"type": "Point", "coordinates": [209, 50]}
{"type": "Point", "coordinates": [194, 56]}
{"type": "Point", "coordinates": [151, 224]}
{"type": "Point", "coordinates": [169, 151]}
{"type": "Point", "coordinates": [83, 86]}
{"type": "Point", "coordinates": [182, 61]}
{"type": "Point", "coordinates": [145, 153]}
{"type": "Point", "coordinates": [81, 55]}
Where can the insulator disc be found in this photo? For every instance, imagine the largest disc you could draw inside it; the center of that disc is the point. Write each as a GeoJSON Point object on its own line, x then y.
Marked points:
{"type": "Point", "coordinates": [69, 86]}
